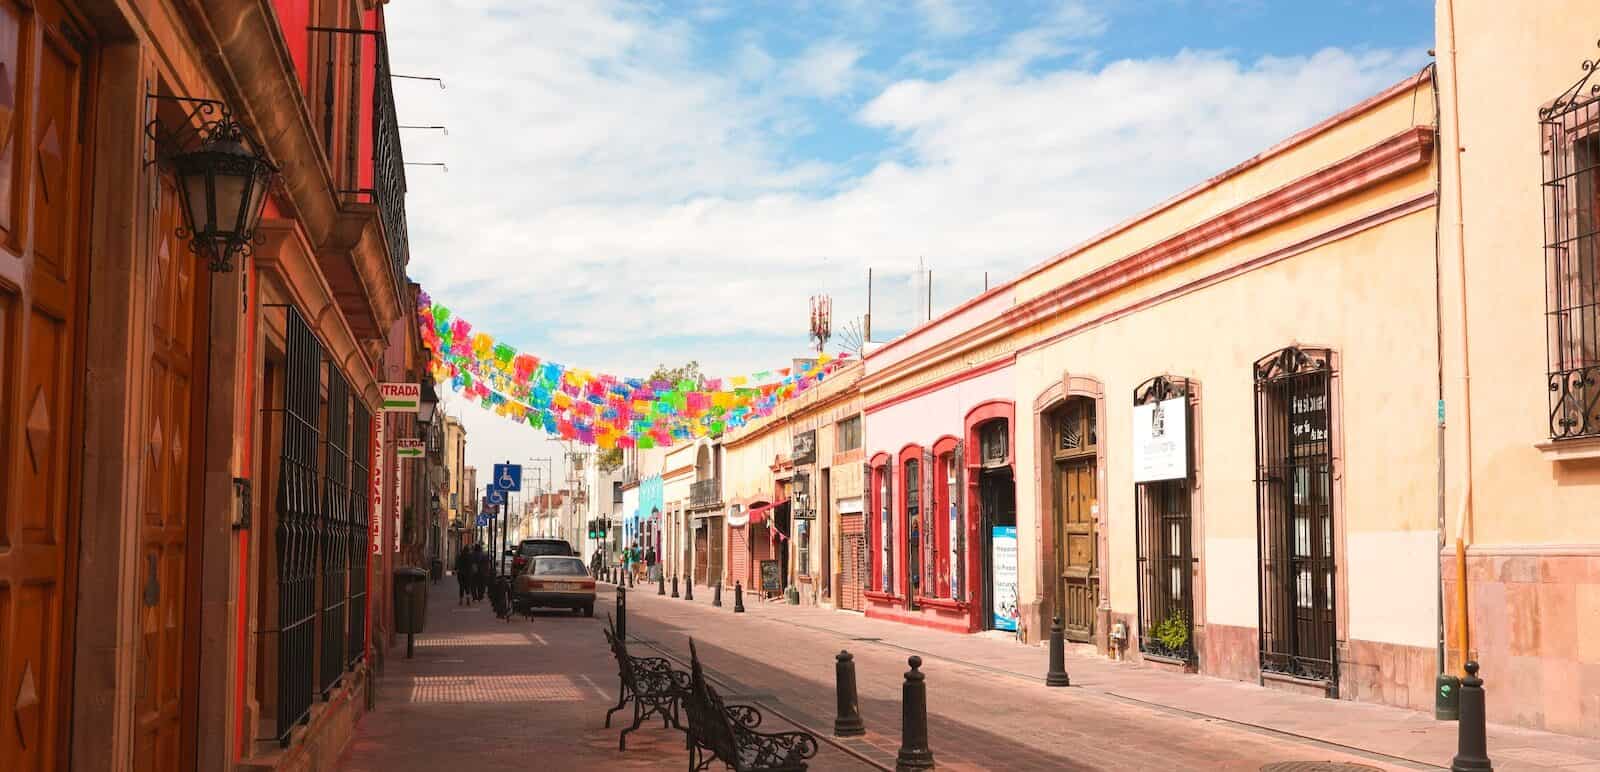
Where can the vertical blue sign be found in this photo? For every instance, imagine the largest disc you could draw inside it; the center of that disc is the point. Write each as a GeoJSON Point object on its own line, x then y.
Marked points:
{"type": "Point", "coordinates": [1005, 577]}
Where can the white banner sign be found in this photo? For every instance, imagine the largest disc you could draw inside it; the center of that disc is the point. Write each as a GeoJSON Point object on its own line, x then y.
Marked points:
{"type": "Point", "coordinates": [1161, 440]}
{"type": "Point", "coordinates": [408, 448]}
{"type": "Point", "coordinates": [400, 397]}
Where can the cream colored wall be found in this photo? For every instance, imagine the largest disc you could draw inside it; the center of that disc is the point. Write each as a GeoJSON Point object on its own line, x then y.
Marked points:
{"type": "Point", "coordinates": [1513, 58]}
{"type": "Point", "coordinates": [1359, 296]}
{"type": "Point", "coordinates": [747, 461]}
{"type": "Point", "coordinates": [1380, 120]}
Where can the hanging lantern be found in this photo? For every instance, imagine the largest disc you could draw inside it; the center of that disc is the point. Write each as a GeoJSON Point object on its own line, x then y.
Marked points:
{"type": "Point", "coordinates": [222, 176]}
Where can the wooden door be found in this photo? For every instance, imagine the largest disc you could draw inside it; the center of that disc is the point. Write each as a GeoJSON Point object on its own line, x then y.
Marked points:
{"type": "Point", "coordinates": [44, 77]}
{"type": "Point", "coordinates": [1080, 579]}
{"type": "Point", "coordinates": [852, 562]}
{"type": "Point", "coordinates": [170, 473]}
{"type": "Point", "coordinates": [702, 552]}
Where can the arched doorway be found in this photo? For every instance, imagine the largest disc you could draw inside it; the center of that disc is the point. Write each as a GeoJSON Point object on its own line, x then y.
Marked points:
{"type": "Point", "coordinates": [1074, 498]}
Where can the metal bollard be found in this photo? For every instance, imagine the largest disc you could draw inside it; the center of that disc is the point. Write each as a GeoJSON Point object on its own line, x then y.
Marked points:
{"type": "Point", "coordinates": [849, 723]}
{"type": "Point", "coordinates": [738, 598]}
{"type": "Point", "coordinates": [914, 750]}
{"type": "Point", "coordinates": [674, 585]}
{"type": "Point", "coordinates": [1058, 656]}
{"type": "Point", "coordinates": [622, 613]}
{"type": "Point", "coordinates": [716, 593]}
{"type": "Point", "coordinates": [1472, 740]}
{"type": "Point", "coordinates": [661, 583]}
{"type": "Point", "coordinates": [688, 588]}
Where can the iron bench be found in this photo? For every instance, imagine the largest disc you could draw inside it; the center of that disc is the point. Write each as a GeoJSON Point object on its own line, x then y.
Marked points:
{"type": "Point", "coordinates": [728, 732]}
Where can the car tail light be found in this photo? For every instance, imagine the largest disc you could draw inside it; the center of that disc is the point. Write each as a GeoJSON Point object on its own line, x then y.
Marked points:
{"type": "Point", "coordinates": [588, 584]}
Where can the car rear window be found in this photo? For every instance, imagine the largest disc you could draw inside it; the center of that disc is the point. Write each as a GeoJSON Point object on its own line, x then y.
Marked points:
{"type": "Point", "coordinates": [532, 549]}
{"type": "Point", "coordinates": [560, 567]}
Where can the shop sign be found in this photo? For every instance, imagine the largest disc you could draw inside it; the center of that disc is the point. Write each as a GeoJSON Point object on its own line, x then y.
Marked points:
{"type": "Point", "coordinates": [805, 448]}
{"type": "Point", "coordinates": [1005, 577]}
{"type": "Point", "coordinates": [1160, 440]}
{"type": "Point", "coordinates": [400, 397]}
{"type": "Point", "coordinates": [396, 508]}
{"type": "Point", "coordinates": [408, 448]}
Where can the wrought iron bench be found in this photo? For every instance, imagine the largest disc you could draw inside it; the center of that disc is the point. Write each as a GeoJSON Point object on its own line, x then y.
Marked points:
{"type": "Point", "coordinates": [727, 732]}
{"type": "Point", "coordinates": [650, 683]}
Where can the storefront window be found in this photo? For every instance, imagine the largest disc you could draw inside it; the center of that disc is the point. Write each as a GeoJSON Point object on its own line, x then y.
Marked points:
{"type": "Point", "coordinates": [914, 523]}
{"type": "Point", "coordinates": [952, 559]}
{"type": "Point", "coordinates": [885, 532]}
{"type": "Point", "coordinates": [802, 535]}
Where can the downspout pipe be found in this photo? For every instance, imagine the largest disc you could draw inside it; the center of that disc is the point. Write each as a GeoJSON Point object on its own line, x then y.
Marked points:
{"type": "Point", "coordinates": [1464, 511]}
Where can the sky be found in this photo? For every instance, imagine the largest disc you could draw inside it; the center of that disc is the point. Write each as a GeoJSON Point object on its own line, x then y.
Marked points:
{"type": "Point", "coordinates": [638, 183]}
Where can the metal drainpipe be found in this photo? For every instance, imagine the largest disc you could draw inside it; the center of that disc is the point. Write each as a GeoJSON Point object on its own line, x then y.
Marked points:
{"type": "Point", "coordinates": [1465, 511]}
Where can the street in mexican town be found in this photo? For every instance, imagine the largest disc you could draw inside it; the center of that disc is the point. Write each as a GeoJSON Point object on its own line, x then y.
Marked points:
{"type": "Point", "coordinates": [518, 695]}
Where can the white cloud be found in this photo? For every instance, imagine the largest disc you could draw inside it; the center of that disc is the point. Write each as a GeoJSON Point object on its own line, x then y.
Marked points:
{"type": "Point", "coordinates": [945, 18]}
{"type": "Point", "coordinates": [827, 69]}
{"type": "Point", "coordinates": [614, 196]}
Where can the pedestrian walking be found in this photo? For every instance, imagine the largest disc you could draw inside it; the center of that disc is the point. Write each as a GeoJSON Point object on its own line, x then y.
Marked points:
{"type": "Point", "coordinates": [483, 572]}
{"type": "Point", "coordinates": [465, 568]}
{"type": "Point", "coordinates": [650, 564]}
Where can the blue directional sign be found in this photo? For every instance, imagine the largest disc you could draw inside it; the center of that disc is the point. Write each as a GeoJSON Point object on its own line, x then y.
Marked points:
{"type": "Point", "coordinates": [508, 476]}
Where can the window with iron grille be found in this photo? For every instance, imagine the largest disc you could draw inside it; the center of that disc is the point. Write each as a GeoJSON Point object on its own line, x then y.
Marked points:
{"type": "Point", "coordinates": [360, 536]}
{"type": "Point", "coordinates": [1163, 534]}
{"type": "Point", "coordinates": [1571, 132]}
{"type": "Point", "coordinates": [1295, 515]}
{"type": "Point", "coordinates": [336, 527]}
{"type": "Point", "coordinates": [885, 534]}
{"type": "Point", "coordinates": [297, 526]}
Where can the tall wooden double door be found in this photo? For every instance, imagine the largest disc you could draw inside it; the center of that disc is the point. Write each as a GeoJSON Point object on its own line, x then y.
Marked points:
{"type": "Point", "coordinates": [44, 78]}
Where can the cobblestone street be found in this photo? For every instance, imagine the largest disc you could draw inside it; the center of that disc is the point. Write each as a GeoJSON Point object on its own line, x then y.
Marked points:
{"type": "Point", "coordinates": [511, 695]}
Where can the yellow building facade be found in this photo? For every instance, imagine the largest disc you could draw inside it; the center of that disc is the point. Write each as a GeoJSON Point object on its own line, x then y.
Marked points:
{"type": "Point", "coordinates": [1215, 424]}
{"type": "Point", "coordinates": [1519, 280]}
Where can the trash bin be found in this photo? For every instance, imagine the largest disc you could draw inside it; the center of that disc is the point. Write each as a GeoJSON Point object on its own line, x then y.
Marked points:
{"type": "Point", "coordinates": [410, 599]}
{"type": "Point", "coordinates": [436, 570]}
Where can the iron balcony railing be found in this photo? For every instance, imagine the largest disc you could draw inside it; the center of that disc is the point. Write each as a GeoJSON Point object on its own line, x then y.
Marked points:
{"type": "Point", "coordinates": [389, 170]}
{"type": "Point", "coordinates": [705, 493]}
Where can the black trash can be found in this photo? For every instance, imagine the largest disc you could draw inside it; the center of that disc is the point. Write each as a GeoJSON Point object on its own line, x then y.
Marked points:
{"type": "Point", "coordinates": [410, 603]}
{"type": "Point", "coordinates": [436, 570]}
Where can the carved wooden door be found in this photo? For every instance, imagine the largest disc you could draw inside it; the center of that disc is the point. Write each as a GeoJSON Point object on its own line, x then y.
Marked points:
{"type": "Point", "coordinates": [1075, 447]}
{"type": "Point", "coordinates": [43, 79]}
{"type": "Point", "coordinates": [168, 491]}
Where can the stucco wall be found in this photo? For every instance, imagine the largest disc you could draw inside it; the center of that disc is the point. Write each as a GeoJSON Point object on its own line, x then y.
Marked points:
{"type": "Point", "coordinates": [925, 418]}
{"type": "Point", "coordinates": [1354, 296]}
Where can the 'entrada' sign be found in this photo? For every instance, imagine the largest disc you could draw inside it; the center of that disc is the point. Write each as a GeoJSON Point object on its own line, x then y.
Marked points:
{"type": "Point", "coordinates": [400, 397]}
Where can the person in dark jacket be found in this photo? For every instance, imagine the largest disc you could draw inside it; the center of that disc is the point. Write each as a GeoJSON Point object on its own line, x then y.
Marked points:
{"type": "Point", "coordinates": [466, 567]}
{"type": "Point", "coordinates": [484, 573]}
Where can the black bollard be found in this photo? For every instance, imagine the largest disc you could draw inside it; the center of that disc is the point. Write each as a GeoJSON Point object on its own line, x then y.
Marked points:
{"type": "Point", "coordinates": [914, 750]}
{"type": "Point", "coordinates": [674, 585]}
{"type": "Point", "coordinates": [849, 723]}
{"type": "Point", "coordinates": [622, 613]}
{"type": "Point", "coordinates": [1058, 656]}
{"type": "Point", "coordinates": [661, 583]}
{"type": "Point", "coordinates": [716, 594]}
{"type": "Point", "coordinates": [1472, 740]}
{"type": "Point", "coordinates": [738, 598]}
{"type": "Point", "coordinates": [688, 588]}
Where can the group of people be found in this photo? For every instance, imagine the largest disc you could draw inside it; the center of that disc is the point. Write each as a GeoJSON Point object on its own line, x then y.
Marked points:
{"type": "Point", "coordinates": [641, 563]}
{"type": "Point", "coordinates": [474, 572]}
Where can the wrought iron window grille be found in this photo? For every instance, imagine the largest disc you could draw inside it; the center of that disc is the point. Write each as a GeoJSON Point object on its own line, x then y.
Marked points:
{"type": "Point", "coordinates": [1295, 514]}
{"type": "Point", "coordinates": [298, 526]}
{"type": "Point", "coordinates": [1164, 534]}
{"type": "Point", "coordinates": [1570, 129]}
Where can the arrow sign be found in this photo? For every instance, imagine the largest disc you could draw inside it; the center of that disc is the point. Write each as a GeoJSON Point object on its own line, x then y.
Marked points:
{"type": "Point", "coordinates": [400, 397]}
{"type": "Point", "coordinates": [408, 448]}
{"type": "Point", "coordinates": [508, 476]}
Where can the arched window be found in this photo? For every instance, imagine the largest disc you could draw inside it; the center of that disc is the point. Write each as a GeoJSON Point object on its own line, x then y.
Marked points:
{"type": "Point", "coordinates": [881, 537]}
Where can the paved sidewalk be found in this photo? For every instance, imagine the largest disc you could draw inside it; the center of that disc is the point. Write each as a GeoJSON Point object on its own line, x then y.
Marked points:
{"type": "Point", "coordinates": [484, 695]}
{"type": "Point", "coordinates": [1376, 734]}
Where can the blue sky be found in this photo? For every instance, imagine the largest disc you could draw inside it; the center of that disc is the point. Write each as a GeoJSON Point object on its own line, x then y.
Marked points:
{"type": "Point", "coordinates": [641, 182]}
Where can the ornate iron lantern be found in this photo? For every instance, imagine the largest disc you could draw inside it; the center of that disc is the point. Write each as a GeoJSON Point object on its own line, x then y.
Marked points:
{"type": "Point", "coordinates": [223, 177]}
